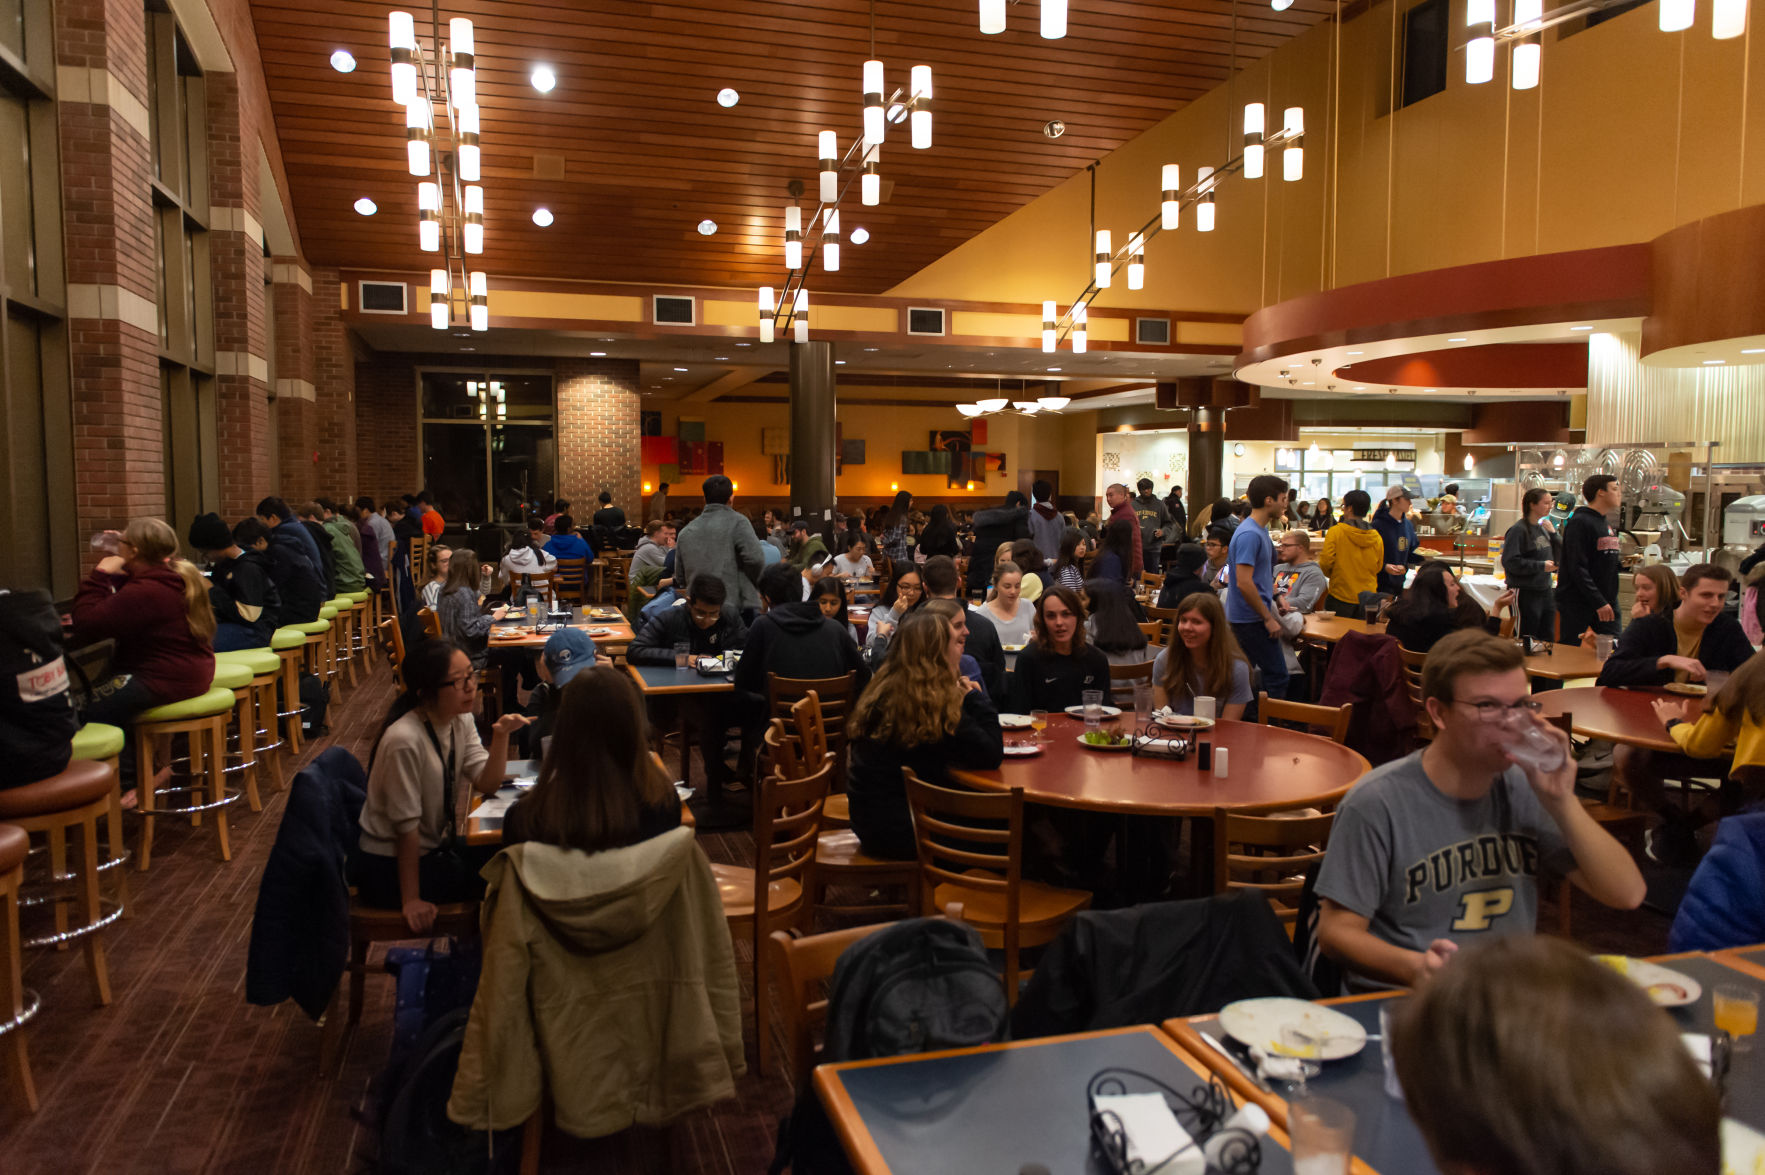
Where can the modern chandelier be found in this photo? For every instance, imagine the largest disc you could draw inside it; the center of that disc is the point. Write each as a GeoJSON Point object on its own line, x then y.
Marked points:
{"type": "Point", "coordinates": [1053, 18]}
{"type": "Point", "coordinates": [1004, 404]}
{"type": "Point", "coordinates": [1728, 19]}
{"type": "Point", "coordinates": [445, 157]}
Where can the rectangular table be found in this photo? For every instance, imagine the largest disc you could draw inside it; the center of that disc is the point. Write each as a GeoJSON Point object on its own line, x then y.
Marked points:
{"type": "Point", "coordinates": [716, 812]}
{"type": "Point", "coordinates": [1748, 959]}
{"type": "Point", "coordinates": [995, 1108]}
{"type": "Point", "coordinates": [608, 635]}
{"type": "Point", "coordinates": [667, 680]}
{"type": "Point", "coordinates": [482, 829]}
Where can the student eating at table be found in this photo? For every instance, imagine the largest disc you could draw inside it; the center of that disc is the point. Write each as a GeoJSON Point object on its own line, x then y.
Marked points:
{"type": "Point", "coordinates": [1059, 665]}
{"type": "Point", "coordinates": [462, 618]}
{"type": "Point", "coordinates": [919, 712]}
{"type": "Point", "coordinates": [700, 623]}
{"type": "Point", "coordinates": [855, 562]}
{"type": "Point", "coordinates": [1445, 846]}
{"type": "Point", "coordinates": [1203, 660]}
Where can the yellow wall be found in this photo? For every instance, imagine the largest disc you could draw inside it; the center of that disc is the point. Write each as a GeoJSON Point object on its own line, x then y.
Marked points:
{"type": "Point", "coordinates": [1631, 132]}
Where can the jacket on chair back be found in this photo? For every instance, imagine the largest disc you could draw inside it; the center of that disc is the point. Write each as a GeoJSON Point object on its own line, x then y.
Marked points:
{"type": "Point", "coordinates": [609, 987]}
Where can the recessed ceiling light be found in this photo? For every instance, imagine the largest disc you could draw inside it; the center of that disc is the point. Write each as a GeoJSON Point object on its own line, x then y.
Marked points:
{"type": "Point", "coordinates": [1054, 369]}
{"type": "Point", "coordinates": [727, 97]}
{"type": "Point", "coordinates": [1752, 350]}
{"type": "Point", "coordinates": [707, 226]}
{"type": "Point", "coordinates": [1714, 362]}
{"type": "Point", "coordinates": [680, 369]}
{"type": "Point", "coordinates": [860, 235]}
{"type": "Point", "coordinates": [1581, 328]}
{"type": "Point", "coordinates": [366, 206]}
{"type": "Point", "coordinates": [343, 61]}
{"type": "Point", "coordinates": [723, 358]}
{"type": "Point", "coordinates": [744, 344]}
{"type": "Point", "coordinates": [543, 78]}
{"type": "Point", "coordinates": [1455, 340]}
{"type": "Point", "coordinates": [1355, 352]}
{"type": "Point", "coordinates": [542, 217]}
{"type": "Point", "coordinates": [597, 354]}
{"type": "Point", "coordinates": [870, 348]}
{"type": "Point", "coordinates": [1359, 388]}
{"type": "Point", "coordinates": [839, 362]}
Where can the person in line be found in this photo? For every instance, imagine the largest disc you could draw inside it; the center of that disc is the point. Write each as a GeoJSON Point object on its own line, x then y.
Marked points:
{"type": "Point", "coordinates": [1587, 587]}
{"type": "Point", "coordinates": [1250, 589]}
{"type": "Point", "coordinates": [1121, 506]}
{"type": "Point", "coordinates": [939, 536]}
{"type": "Point", "coordinates": [1153, 519]}
{"type": "Point", "coordinates": [829, 594]}
{"type": "Point", "coordinates": [1116, 554]}
{"type": "Point", "coordinates": [439, 559]}
{"type": "Point", "coordinates": [411, 856]}
{"type": "Point", "coordinates": [1215, 545]}
{"type": "Point", "coordinates": [1445, 847]}
{"type": "Point", "coordinates": [527, 558]}
{"type": "Point", "coordinates": [1112, 626]}
{"type": "Point", "coordinates": [1203, 660]}
{"type": "Point", "coordinates": [1178, 528]}
{"type": "Point", "coordinates": [247, 606]}
{"type": "Point", "coordinates": [659, 503]}
{"type": "Point", "coordinates": [463, 619]}
{"type": "Point", "coordinates": [941, 583]}
{"type": "Point", "coordinates": [1657, 592]}
{"type": "Point", "coordinates": [1183, 575]}
{"type": "Point", "coordinates": [275, 514]}
{"type": "Point", "coordinates": [608, 517]}
{"type": "Point", "coordinates": [1528, 559]}
{"type": "Point", "coordinates": [894, 531]}
{"type": "Point", "coordinates": [1398, 534]}
{"type": "Point", "coordinates": [1005, 606]}
{"type": "Point", "coordinates": [565, 543]}
{"type": "Point", "coordinates": [1047, 527]}
{"type": "Point", "coordinates": [999, 525]}
{"type": "Point", "coordinates": [1069, 565]}
{"type": "Point", "coordinates": [1528, 1057]}
{"type": "Point", "coordinates": [1323, 516]}
{"type": "Point", "coordinates": [432, 521]}
{"type": "Point", "coordinates": [1352, 556]}
{"type": "Point", "coordinates": [899, 598]}
{"type": "Point", "coordinates": [1059, 666]}
{"type": "Point", "coordinates": [919, 712]}
{"type": "Point", "coordinates": [721, 543]}
{"type": "Point", "coordinates": [310, 519]}
{"type": "Point", "coordinates": [855, 563]}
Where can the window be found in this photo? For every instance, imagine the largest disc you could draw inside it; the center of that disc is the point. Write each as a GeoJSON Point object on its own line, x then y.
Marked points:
{"type": "Point", "coordinates": [37, 518]}
{"type": "Point", "coordinates": [489, 443]}
{"type": "Point", "coordinates": [1424, 50]}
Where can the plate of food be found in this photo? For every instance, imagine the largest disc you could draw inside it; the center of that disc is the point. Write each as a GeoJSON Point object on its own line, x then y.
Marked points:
{"type": "Point", "coordinates": [1181, 721]}
{"type": "Point", "coordinates": [1106, 740]}
{"type": "Point", "coordinates": [604, 614]}
{"type": "Point", "coordinates": [1107, 711]}
{"type": "Point", "coordinates": [1258, 1023]}
{"type": "Point", "coordinates": [1016, 721]}
{"type": "Point", "coordinates": [1663, 985]}
{"type": "Point", "coordinates": [1691, 689]}
{"type": "Point", "coordinates": [1743, 1149]}
{"type": "Point", "coordinates": [1017, 648]}
{"type": "Point", "coordinates": [1022, 750]}
{"type": "Point", "coordinates": [600, 632]}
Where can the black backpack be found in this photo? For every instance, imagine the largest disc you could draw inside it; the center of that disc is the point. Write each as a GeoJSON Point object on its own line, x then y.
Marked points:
{"type": "Point", "coordinates": [37, 716]}
{"type": "Point", "coordinates": [919, 986]}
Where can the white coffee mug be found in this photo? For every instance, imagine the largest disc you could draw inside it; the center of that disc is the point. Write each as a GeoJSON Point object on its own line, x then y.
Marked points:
{"type": "Point", "coordinates": [1204, 707]}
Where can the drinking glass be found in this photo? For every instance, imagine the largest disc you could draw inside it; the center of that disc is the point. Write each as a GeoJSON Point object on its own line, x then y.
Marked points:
{"type": "Point", "coordinates": [683, 651]}
{"type": "Point", "coordinates": [1039, 723]}
{"type": "Point", "coordinates": [1322, 1136]}
{"type": "Point", "coordinates": [1204, 707]}
{"type": "Point", "coordinates": [1305, 1044]}
{"type": "Point", "coordinates": [1142, 703]}
{"type": "Point", "coordinates": [1737, 1013]}
{"type": "Point", "coordinates": [1602, 647]}
{"type": "Point", "coordinates": [1093, 701]}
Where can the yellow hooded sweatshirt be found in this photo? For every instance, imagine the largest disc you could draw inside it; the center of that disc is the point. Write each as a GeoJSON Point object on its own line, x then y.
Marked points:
{"type": "Point", "coordinates": [1352, 556]}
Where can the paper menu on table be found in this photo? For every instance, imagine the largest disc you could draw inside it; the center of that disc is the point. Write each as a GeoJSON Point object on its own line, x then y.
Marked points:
{"type": "Point", "coordinates": [496, 806]}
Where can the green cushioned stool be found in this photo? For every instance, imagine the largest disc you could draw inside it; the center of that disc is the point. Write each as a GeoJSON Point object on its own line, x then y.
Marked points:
{"type": "Point", "coordinates": [314, 628]}
{"type": "Point", "coordinates": [231, 671]}
{"type": "Point", "coordinates": [360, 597]}
{"type": "Point", "coordinates": [289, 643]}
{"type": "Point", "coordinates": [202, 720]}
{"type": "Point", "coordinates": [291, 637]}
{"type": "Point", "coordinates": [327, 613]}
{"type": "Point", "coordinates": [229, 676]}
{"type": "Point", "coordinates": [259, 661]}
{"type": "Point", "coordinates": [98, 740]}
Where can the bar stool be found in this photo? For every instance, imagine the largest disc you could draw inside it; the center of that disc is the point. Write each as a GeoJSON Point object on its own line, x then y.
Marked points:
{"type": "Point", "coordinates": [362, 619]}
{"type": "Point", "coordinates": [265, 667]}
{"type": "Point", "coordinates": [343, 636]}
{"type": "Point", "coordinates": [77, 798]}
{"type": "Point", "coordinates": [289, 645]}
{"type": "Point", "coordinates": [17, 1005]}
{"type": "Point", "coordinates": [319, 644]}
{"type": "Point", "coordinates": [97, 742]}
{"type": "Point", "coordinates": [202, 719]}
{"type": "Point", "coordinates": [236, 679]}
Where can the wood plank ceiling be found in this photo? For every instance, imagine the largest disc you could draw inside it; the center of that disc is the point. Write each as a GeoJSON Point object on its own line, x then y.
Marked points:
{"type": "Point", "coordinates": [649, 153]}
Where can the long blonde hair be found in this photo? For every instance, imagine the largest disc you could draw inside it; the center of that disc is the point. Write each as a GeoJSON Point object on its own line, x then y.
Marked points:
{"type": "Point", "coordinates": [155, 542]}
{"type": "Point", "coordinates": [915, 698]}
{"type": "Point", "coordinates": [1216, 662]}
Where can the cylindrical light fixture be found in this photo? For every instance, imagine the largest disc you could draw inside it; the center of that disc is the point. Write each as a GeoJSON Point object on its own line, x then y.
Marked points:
{"type": "Point", "coordinates": [1053, 19]}
{"type": "Point", "coordinates": [1480, 49]}
{"type": "Point", "coordinates": [870, 183]}
{"type": "Point", "coordinates": [1049, 325]}
{"type": "Point", "coordinates": [830, 166]}
{"type": "Point", "coordinates": [1170, 205]}
{"type": "Point", "coordinates": [480, 304]}
{"type": "Point", "coordinates": [1080, 316]}
{"type": "Point", "coordinates": [1105, 260]}
{"type": "Point", "coordinates": [439, 291]}
{"type": "Point", "coordinates": [830, 241]}
{"type": "Point", "coordinates": [1677, 15]}
{"type": "Point", "coordinates": [800, 316]}
{"type": "Point", "coordinates": [1203, 200]}
{"type": "Point", "coordinates": [429, 216]}
{"type": "Point", "coordinates": [1293, 155]}
{"type": "Point", "coordinates": [793, 237]}
{"type": "Point", "coordinates": [873, 103]}
{"type": "Point", "coordinates": [470, 159]}
{"type": "Point", "coordinates": [992, 16]}
{"type": "Point", "coordinates": [1527, 57]}
{"type": "Point", "coordinates": [403, 38]}
{"type": "Point", "coordinates": [768, 308]}
{"type": "Point", "coordinates": [462, 84]}
{"type": "Point", "coordinates": [920, 120]}
{"type": "Point", "coordinates": [416, 136]}
{"type": "Point", "coordinates": [473, 229]}
{"type": "Point", "coordinates": [1136, 261]}
{"type": "Point", "coordinates": [1253, 132]}
{"type": "Point", "coordinates": [1728, 19]}
{"type": "Point", "coordinates": [1053, 403]}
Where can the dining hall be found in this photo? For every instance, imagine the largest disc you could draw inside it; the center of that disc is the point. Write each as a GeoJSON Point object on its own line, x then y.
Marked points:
{"type": "Point", "coordinates": [1068, 587]}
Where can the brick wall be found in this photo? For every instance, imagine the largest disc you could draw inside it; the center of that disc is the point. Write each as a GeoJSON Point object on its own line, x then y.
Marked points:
{"type": "Point", "coordinates": [296, 417]}
{"type": "Point", "coordinates": [599, 446]}
{"type": "Point", "coordinates": [333, 366]}
{"type": "Point", "coordinates": [388, 449]}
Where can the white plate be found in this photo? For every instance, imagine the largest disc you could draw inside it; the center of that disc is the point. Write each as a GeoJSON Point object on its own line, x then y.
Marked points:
{"type": "Point", "coordinates": [1012, 648]}
{"type": "Point", "coordinates": [684, 792]}
{"type": "Point", "coordinates": [1080, 739]}
{"type": "Point", "coordinates": [1743, 1149]}
{"type": "Point", "coordinates": [1107, 711]}
{"type": "Point", "coordinates": [1182, 721]}
{"type": "Point", "coordinates": [600, 632]}
{"type": "Point", "coordinates": [1015, 721]}
{"type": "Point", "coordinates": [1022, 750]}
{"type": "Point", "coordinates": [1258, 1023]}
{"type": "Point", "coordinates": [1666, 987]}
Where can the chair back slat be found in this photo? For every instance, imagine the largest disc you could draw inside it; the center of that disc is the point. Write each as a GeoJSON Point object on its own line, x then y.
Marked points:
{"type": "Point", "coordinates": [1153, 631]}
{"type": "Point", "coordinates": [803, 967]}
{"type": "Point", "coordinates": [835, 697]}
{"type": "Point", "coordinates": [431, 621]}
{"type": "Point", "coordinates": [570, 580]}
{"type": "Point", "coordinates": [1138, 671]}
{"type": "Point", "coordinates": [783, 753]}
{"type": "Point", "coordinates": [787, 822]}
{"type": "Point", "coordinates": [1298, 843]}
{"type": "Point", "coordinates": [1412, 676]}
{"type": "Point", "coordinates": [1334, 719]}
{"type": "Point", "coordinates": [811, 726]}
{"type": "Point", "coordinates": [950, 828]}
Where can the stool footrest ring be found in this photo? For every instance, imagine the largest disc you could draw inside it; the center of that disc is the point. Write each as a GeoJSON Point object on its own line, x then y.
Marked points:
{"type": "Point", "coordinates": [229, 795]}
{"type": "Point", "coordinates": [113, 910]}
{"type": "Point", "coordinates": [31, 1002]}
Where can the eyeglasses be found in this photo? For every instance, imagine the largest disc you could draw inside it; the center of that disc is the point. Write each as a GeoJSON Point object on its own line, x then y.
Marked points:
{"type": "Point", "coordinates": [1498, 712]}
{"type": "Point", "coordinates": [469, 683]}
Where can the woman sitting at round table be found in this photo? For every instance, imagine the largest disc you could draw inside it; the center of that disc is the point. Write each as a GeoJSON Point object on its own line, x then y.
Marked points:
{"type": "Point", "coordinates": [598, 788]}
{"type": "Point", "coordinates": [917, 712]}
{"type": "Point", "coordinates": [1203, 661]}
{"type": "Point", "coordinates": [1059, 666]}
{"type": "Point", "coordinates": [1657, 590]}
{"type": "Point", "coordinates": [1111, 626]}
{"type": "Point", "coordinates": [902, 595]}
{"type": "Point", "coordinates": [463, 619]}
{"type": "Point", "coordinates": [1432, 606]}
{"type": "Point", "coordinates": [1010, 613]}
{"type": "Point", "coordinates": [1069, 566]}
{"type": "Point", "coordinates": [1034, 568]}
{"type": "Point", "coordinates": [430, 593]}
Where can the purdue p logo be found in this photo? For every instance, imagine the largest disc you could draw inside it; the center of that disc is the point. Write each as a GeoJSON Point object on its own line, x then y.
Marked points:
{"type": "Point", "coordinates": [1478, 910]}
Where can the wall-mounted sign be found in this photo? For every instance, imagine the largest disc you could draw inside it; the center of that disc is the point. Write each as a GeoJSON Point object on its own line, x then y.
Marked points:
{"type": "Point", "coordinates": [1384, 455]}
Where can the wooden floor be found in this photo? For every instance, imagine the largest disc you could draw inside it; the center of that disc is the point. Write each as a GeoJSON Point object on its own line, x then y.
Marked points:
{"type": "Point", "coordinates": [180, 1074]}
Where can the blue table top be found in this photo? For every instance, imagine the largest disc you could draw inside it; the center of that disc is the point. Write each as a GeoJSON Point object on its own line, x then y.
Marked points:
{"type": "Point", "coordinates": [656, 678]}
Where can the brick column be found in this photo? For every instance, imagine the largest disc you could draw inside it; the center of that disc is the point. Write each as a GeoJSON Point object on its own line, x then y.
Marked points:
{"type": "Point", "coordinates": [333, 359]}
{"type": "Point", "coordinates": [113, 332]}
{"type": "Point", "coordinates": [297, 432]}
{"type": "Point", "coordinates": [599, 446]}
{"type": "Point", "coordinates": [389, 458]}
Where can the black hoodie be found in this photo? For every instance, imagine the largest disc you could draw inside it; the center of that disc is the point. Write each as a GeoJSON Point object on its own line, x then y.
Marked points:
{"type": "Point", "coordinates": [1588, 578]}
{"type": "Point", "coordinates": [795, 640]}
{"type": "Point", "coordinates": [246, 580]}
{"type": "Point", "coordinates": [300, 584]}
{"type": "Point", "coordinates": [1000, 524]}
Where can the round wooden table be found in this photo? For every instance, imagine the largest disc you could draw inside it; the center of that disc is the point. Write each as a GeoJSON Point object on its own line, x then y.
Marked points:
{"type": "Point", "coordinates": [1619, 715]}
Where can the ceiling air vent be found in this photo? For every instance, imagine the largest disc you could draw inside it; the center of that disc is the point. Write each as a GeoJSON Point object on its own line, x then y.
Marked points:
{"type": "Point", "coordinates": [1155, 332]}
{"type": "Point", "coordinates": [548, 167]}
{"type": "Point", "coordinates": [382, 298]}
{"type": "Point", "coordinates": [922, 321]}
{"type": "Point", "coordinates": [671, 308]}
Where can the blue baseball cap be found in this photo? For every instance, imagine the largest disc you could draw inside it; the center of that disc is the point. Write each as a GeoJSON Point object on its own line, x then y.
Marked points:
{"type": "Point", "coordinates": [568, 651]}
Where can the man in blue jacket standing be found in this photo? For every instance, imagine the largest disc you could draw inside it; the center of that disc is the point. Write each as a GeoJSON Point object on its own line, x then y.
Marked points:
{"type": "Point", "coordinates": [1392, 521]}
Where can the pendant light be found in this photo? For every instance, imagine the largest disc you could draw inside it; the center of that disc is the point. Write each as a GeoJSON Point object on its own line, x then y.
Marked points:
{"type": "Point", "coordinates": [768, 307]}
{"type": "Point", "coordinates": [470, 159]}
{"type": "Point", "coordinates": [800, 316]}
{"type": "Point", "coordinates": [870, 183]}
{"type": "Point", "coordinates": [403, 38]}
{"type": "Point", "coordinates": [480, 306]}
{"type": "Point", "coordinates": [1136, 261]}
{"type": "Point", "coordinates": [462, 84]}
{"type": "Point", "coordinates": [1080, 316]}
{"type": "Point", "coordinates": [1049, 325]}
{"type": "Point", "coordinates": [1293, 155]}
{"type": "Point", "coordinates": [1053, 403]}
{"type": "Point", "coordinates": [1170, 205]}
{"type": "Point", "coordinates": [830, 167]}
{"type": "Point", "coordinates": [1053, 19]}
{"type": "Point", "coordinates": [416, 136]}
{"type": "Point", "coordinates": [1104, 258]}
{"type": "Point", "coordinates": [993, 404]}
{"type": "Point", "coordinates": [1728, 19]}
{"type": "Point", "coordinates": [830, 241]}
{"type": "Point", "coordinates": [1253, 132]}
{"type": "Point", "coordinates": [992, 16]}
{"type": "Point", "coordinates": [1480, 49]}
{"type": "Point", "coordinates": [429, 216]}
{"type": "Point", "coordinates": [439, 289]}
{"type": "Point", "coordinates": [473, 229]}
{"type": "Point", "coordinates": [919, 102]}
{"type": "Point", "coordinates": [1527, 52]}
{"type": "Point", "coordinates": [873, 103]}
{"type": "Point", "coordinates": [969, 410]}
{"type": "Point", "coordinates": [793, 237]}
{"type": "Point", "coordinates": [1677, 15]}
{"type": "Point", "coordinates": [1204, 200]}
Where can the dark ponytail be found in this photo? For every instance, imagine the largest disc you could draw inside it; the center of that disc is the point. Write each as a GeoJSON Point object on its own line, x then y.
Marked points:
{"type": "Point", "coordinates": [424, 671]}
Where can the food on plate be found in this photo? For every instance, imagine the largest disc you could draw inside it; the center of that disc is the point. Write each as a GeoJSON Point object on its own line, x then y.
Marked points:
{"type": "Point", "coordinates": [1105, 738]}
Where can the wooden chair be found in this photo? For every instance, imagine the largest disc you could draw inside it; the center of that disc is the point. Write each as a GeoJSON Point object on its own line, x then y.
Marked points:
{"type": "Point", "coordinates": [1150, 582]}
{"type": "Point", "coordinates": [1289, 846]}
{"type": "Point", "coordinates": [835, 697]}
{"type": "Point", "coordinates": [1153, 630]}
{"type": "Point", "coordinates": [1412, 676]}
{"type": "Point", "coordinates": [1138, 671]}
{"type": "Point", "coordinates": [1335, 718]}
{"type": "Point", "coordinates": [1167, 621]}
{"type": "Point", "coordinates": [570, 581]}
{"type": "Point", "coordinates": [1613, 814]}
{"type": "Point", "coordinates": [431, 621]}
{"type": "Point", "coordinates": [775, 894]}
{"type": "Point", "coordinates": [971, 866]}
{"type": "Point", "coordinates": [781, 753]}
{"type": "Point", "coordinates": [392, 638]}
{"type": "Point", "coordinates": [368, 926]}
{"type": "Point", "coordinates": [801, 966]}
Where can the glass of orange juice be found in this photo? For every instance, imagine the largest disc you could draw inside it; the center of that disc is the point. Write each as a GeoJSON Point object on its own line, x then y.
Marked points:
{"type": "Point", "coordinates": [1737, 1013]}
{"type": "Point", "coordinates": [1038, 722]}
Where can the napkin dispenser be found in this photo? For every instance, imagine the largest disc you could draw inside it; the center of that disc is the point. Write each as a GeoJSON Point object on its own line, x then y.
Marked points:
{"type": "Point", "coordinates": [555, 620]}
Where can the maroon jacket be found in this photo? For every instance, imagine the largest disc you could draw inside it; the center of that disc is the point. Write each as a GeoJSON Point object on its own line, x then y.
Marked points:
{"type": "Point", "coordinates": [1126, 510]}
{"type": "Point", "coordinates": [144, 613]}
{"type": "Point", "coordinates": [1366, 669]}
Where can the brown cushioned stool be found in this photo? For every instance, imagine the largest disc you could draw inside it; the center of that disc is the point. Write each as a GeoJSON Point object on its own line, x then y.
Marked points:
{"type": "Point", "coordinates": [17, 1005]}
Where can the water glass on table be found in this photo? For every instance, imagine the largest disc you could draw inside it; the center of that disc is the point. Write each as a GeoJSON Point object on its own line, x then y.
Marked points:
{"type": "Point", "coordinates": [1322, 1135]}
{"type": "Point", "coordinates": [683, 654]}
{"type": "Point", "coordinates": [1142, 703]}
{"type": "Point", "coordinates": [1093, 703]}
{"type": "Point", "coordinates": [1737, 1013]}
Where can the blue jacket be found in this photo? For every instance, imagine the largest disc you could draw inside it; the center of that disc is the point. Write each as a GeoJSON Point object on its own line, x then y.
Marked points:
{"type": "Point", "coordinates": [1400, 546]}
{"type": "Point", "coordinates": [1725, 904]}
{"type": "Point", "coordinates": [568, 546]}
